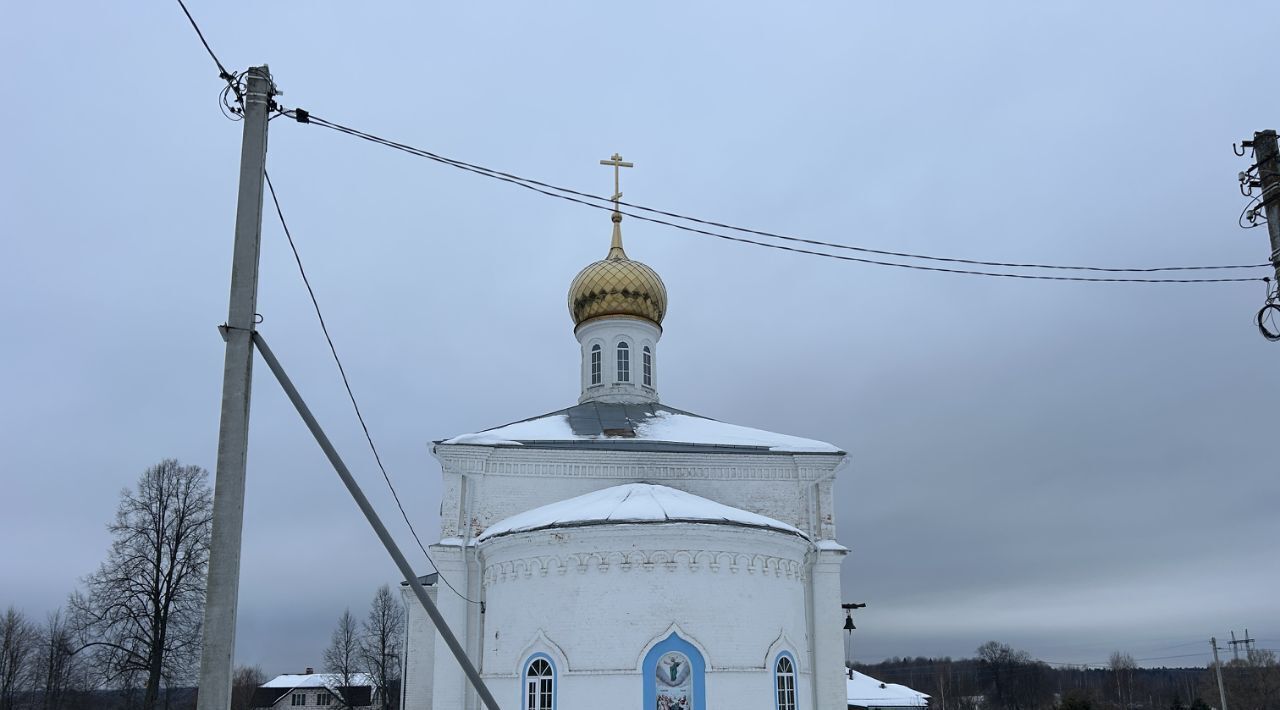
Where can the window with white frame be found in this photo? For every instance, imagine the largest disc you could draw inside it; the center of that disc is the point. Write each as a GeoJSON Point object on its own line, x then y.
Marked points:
{"type": "Point", "coordinates": [624, 362]}
{"type": "Point", "coordinates": [539, 682]}
{"type": "Point", "coordinates": [324, 699]}
{"type": "Point", "coordinates": [595, 364]}
{"type": "Point", "coordinates": [298, 699]}
{"type": "Point", "coordinates": [785, 683]}
{"type": "Point", "coordinates": [648, 367]}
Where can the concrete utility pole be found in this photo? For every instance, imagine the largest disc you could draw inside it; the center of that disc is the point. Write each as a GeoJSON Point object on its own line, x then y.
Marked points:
{"type": "Point", "coordinates": [1264, 147]}
{"type": "Point", "coordinates": [1217, 668]}
{"type": "Point", "coordinates": [233, 434]}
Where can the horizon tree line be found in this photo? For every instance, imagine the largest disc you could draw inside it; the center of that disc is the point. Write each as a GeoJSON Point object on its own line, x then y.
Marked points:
{"type": "Point", "coordinates": [1000, 677]}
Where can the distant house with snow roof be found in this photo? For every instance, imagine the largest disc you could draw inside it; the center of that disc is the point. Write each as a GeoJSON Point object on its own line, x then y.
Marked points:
{"type": "Point", "coordinates": [315, 691]}
{"type": "Point", "coordinates": [867, 693]}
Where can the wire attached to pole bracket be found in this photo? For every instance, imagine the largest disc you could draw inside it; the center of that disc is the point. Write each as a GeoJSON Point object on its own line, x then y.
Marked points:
{"type": "Point", "coordinates": [1267, 315]}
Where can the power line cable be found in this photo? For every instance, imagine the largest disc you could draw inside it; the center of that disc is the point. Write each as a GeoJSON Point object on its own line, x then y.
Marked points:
{"type": "Point", "coordinates": [497, 173]}
{"type": "Point", "coordinates": [582, 198]}
{"type": "Point", "coordinates": [222, 70]}
{"type": "Point", "coordinates": [233, 79]}
{"type": "Point", "coordinates": [351, 394]}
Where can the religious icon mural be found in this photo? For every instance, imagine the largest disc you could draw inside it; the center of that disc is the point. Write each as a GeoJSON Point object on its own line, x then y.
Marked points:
{"type": "Point", "coordinates": [673, 675]}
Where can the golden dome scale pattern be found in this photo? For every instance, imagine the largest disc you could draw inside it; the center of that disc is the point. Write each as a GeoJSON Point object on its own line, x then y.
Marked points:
{"type": "Point", "coordinates": [617, 286]}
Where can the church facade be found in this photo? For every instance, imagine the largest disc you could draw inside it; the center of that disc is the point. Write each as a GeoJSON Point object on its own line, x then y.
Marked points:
{"type": "Point", "coordinates": [621, 553]}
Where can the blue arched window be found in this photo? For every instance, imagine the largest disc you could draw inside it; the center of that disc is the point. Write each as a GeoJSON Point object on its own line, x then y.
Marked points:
{"type": "Point", "coordinates": [784, 682]}
{"type": "Point", "coordinates": [539, 692]}
{"type": "Point", "coordinates": [648, 367]}
{"type": "Point", "coordinates": [595, 364]}
{"type": "Point", "coordinates": [624, 362]}
{"type": "Point", "coordinates": [674, 676]}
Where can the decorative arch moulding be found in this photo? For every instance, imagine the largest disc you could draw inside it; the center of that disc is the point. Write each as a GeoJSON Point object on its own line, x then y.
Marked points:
{"type": "Point", "coordinates": [713, 561]}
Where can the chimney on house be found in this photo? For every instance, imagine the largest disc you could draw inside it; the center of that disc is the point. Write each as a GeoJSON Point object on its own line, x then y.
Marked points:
{"type": "Point", "coordinates": [310, 670]}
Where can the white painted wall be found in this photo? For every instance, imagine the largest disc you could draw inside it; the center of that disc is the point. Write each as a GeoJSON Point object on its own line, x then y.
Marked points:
{"type": "Point", "coordinates": [607, 332]}
{"type": "Point", "coordinates": [484, 484]}
{"type": "Point", "coordinates": [595, 598]}
{"type": "Point", "coordinates": [418, 671]}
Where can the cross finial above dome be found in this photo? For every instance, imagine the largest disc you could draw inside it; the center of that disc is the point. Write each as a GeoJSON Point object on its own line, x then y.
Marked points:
{"type": "Point", "coordinates": [617, 162]}
{"type": "Point", "coordinates": [615, 248]}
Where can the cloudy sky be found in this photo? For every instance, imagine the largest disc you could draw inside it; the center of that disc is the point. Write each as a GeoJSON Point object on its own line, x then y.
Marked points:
{"type": "Point", "coordinates": [1071, 468]}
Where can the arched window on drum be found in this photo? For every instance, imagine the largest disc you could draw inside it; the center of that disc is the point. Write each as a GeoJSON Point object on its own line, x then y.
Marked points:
{"type": "Point", "coordinates": [784, 682]}
{"type": "Point", "coordinates": [595, 364]}
{"type": "Point", "coordinates": [539, 685]}
{"type": "Point", "coordinates": [624, 362]}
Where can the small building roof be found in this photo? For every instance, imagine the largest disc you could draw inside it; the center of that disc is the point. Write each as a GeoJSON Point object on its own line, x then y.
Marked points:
{"type": "Point", "coordinates": [358, 694]}
{"type": "Point", "coordinates": [632, 503]}
{"type": "Point", "coordinates": [426, 580]}
{"type": "Point", "coordinates": [867, 692]}
{"type": "Point", "coordinates": [639, 427]}
{"type": "Point", "coordinates": [315, 680]}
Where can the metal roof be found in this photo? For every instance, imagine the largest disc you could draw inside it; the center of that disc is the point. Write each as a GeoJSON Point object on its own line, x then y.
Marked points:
{"type": "Point", "coordinates": [633, 503]}
{"type": "Point", "coordinates": [615, 424]}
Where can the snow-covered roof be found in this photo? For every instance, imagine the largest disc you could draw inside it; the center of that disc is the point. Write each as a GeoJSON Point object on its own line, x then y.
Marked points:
{"type": "Point", "coordinates": [867, 692]}
{"type": "Point", "coordinates": [315, 680]}
{"type": "Point", "coordinates": [632, 503]}
{"type": "Point", "coordinates": [638, 426]}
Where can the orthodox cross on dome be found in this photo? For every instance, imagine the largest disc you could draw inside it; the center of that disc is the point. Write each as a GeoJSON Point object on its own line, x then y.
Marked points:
{"type": "Point", "coordinates": [617, 162]}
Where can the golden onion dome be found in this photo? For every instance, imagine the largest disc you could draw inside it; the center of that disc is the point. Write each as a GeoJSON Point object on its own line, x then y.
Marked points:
{"type": "Point", "coordinates": [617, 286]}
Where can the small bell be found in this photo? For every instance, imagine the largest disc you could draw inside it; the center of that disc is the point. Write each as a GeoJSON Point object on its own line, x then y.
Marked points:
{"type": "Point", "coordinates": [848, 615]}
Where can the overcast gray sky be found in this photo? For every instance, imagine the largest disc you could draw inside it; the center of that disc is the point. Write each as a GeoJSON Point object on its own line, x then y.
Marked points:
{"type": "Point", "coordinates": [1071, 468]}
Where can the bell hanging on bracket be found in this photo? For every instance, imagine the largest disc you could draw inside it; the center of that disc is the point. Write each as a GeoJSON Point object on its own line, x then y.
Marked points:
{"type": "Point", "coordinates": [848, 615]}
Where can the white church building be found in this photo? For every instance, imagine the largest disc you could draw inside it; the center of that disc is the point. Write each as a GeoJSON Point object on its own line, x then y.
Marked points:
{"type": "Point", "coordinates": [621, 553]}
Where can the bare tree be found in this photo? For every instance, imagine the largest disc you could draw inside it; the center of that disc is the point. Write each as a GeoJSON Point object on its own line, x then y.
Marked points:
{"type": "Point", "coordinates": [18, 642]}
{"type": "Point", "coordinates": [61, 674]}
{"type": "Point", "coordinates": [141, 610]}
{"type": "Point", "coordinates": [382, 641]}
{"type": "Point", "coordinates": [1122, 666]}
{"type": "Point", "coordinates": [244, 682]}
{"type": "Point", "coordinates": [343, 657]}
{"type": "Point", "coordinates": [1015, 681]}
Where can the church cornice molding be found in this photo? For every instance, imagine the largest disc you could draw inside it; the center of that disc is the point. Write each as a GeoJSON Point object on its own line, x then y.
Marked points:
{"type": "Point", "coordinates": [645, 472]}
{"type": "Point", "coordinates": [815, 460]}
{"type": "Point", "coordinates": [645, 562]}
{"type": "Point", "coordinates": [463, 459]}
{"type": "Point", "coordinates": [612, 465]}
